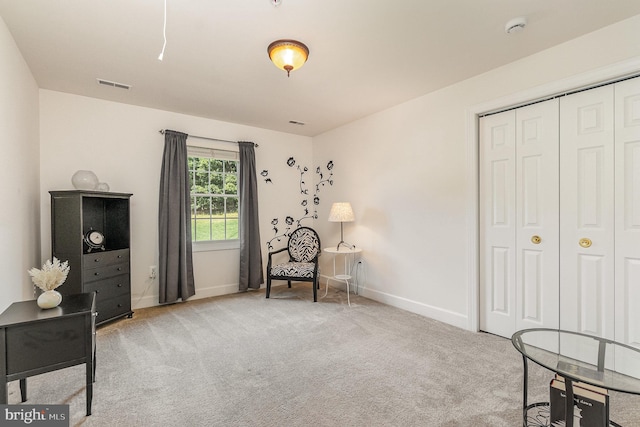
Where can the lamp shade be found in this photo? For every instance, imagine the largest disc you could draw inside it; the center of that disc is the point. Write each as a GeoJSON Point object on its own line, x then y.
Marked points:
{"type": "Point", "coordinates": [288, 55]}
{"type": "Point", "coordinates": [341, 212]}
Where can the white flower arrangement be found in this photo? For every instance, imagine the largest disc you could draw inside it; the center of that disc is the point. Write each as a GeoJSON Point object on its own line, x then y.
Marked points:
{"type": "Point", "coordinates": [52, 275]}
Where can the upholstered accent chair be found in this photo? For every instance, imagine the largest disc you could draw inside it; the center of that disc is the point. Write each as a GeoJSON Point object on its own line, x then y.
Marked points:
{"type": "Point", "coordinates": [304, 250]}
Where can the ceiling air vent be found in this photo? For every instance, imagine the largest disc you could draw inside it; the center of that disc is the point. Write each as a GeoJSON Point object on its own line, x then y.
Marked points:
{"type": "Point", "coordinates": [294, 122]}
{"type": "Point", "coordinates": [113, 84]}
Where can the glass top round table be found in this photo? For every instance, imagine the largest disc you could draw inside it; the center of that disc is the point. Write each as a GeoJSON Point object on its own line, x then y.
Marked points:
{"type": "Point", "coordinates": [579, 358]}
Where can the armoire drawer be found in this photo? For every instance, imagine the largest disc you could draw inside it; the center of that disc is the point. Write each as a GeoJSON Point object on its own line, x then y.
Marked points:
{"type": "Point", "coordinates": [113, 307]}
{"type": "Point", "coordinates": [109, 288]}
{"type": "Point", "coordinates": [101, 259]}
{"type": "Point", "coordinates": [105, 272]}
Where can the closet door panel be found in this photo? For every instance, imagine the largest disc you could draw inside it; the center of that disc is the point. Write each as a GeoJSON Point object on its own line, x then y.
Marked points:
{"type": "Point", "coordinates": [587, 212]}
{"type": "Point", "coordinates": [627, 235]}
{"type": "Point", "coordinates": [537, 219]}
{"type": "Point", "coordinates": [497, 223]}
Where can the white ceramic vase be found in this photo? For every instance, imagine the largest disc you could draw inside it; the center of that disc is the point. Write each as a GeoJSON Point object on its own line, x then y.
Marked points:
{"type": "Point", "coordinates": [102, 186]}
{"type": "Point", "coordinates": [49, 299]}
{"type": "Point", "coordinates": [84, 180]}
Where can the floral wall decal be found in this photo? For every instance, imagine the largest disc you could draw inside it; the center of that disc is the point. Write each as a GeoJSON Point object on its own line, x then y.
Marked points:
{"type": "Point", "coordinates": [308, 203]}
{"type": "Point", "coordinates": [264, 174]}
{"type": "Point", "coordinates": [323, 181]}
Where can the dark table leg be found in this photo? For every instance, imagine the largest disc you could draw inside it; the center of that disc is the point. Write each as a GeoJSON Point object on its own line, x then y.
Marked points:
{"type": "Point", "coordinates": [94, 364]}
{"type": "Point", "coordinates": [3, 368]}
{"type": "Point", "coordinates": [90, 357]}
{"type": "Point", "coordinates": [23, 389]}
{"type": "Point", "coordinates": [90, 372]}
{"type": "Point", "coordinates": [89, 397]}
{"type": "Point", "coordinates": [525, 386]}
{"type": "Point", "coordinates": [91, 377]}
{"type": "Point", "coordinates": [568, 407]}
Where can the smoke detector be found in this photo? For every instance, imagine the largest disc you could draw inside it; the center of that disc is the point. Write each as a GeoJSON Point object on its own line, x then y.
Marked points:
{"type": "Point", "coordinates": [515, 25]}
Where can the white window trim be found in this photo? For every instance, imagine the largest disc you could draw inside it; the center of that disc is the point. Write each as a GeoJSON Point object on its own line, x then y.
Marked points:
{"type": "Point", "coordinates": [215, 245]}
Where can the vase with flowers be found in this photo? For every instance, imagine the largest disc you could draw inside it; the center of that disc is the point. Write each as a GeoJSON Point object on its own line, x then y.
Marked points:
{"type": "Point", "coordinates": [52, 275]}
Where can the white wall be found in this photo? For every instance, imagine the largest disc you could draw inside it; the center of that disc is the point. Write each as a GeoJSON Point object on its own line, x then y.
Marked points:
{"type": "Point", "coordinates": [121, 144]}
{"type": "Point", "coordinates": [19, 173]}
{"type": "Point", "coordinates": [413, 179]}
{"type": "Point", "coordinates": [408, 171]}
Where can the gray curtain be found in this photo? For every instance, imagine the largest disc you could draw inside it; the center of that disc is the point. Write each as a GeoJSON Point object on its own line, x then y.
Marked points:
{"type": "Point", "coordinates": [175, 272]}
{"type": "Point", "coordinates": [251, 275]}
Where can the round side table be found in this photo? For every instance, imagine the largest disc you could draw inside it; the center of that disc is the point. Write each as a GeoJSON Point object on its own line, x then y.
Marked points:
{"type": "Point", "coordinates": [349, 261]}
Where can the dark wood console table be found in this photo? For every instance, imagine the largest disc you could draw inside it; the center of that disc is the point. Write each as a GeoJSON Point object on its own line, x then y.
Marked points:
{"type": "Point", "coordinates": [34, 341]}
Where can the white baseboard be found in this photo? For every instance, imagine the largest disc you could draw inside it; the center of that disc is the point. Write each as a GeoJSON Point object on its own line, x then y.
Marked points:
{"type": "Point", "coordinates": [436, 313]}
{"type": "Point", "coordinates": [211, 291]}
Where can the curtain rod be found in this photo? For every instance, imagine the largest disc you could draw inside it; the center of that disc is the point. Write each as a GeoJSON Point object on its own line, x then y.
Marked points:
{"type": "Point", "coordinates": [210, 139]}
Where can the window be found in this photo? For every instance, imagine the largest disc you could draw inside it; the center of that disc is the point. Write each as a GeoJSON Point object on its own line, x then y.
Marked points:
{"type": "Point", "coordinates": [213, 179]}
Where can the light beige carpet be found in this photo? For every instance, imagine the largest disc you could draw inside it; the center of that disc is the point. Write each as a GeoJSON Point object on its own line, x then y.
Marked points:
{"type": "Point", "coordinates": [243, 360]}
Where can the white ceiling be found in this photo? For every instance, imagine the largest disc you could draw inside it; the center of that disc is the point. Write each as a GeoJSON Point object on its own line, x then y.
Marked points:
{"type": "Point", "coordinates": [365, 55]}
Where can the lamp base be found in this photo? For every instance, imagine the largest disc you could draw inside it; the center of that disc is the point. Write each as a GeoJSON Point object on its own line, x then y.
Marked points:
{"type": "Point", "coordinates": [343, 243]}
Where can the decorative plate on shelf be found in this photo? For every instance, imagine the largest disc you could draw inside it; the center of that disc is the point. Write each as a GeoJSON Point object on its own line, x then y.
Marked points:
{"type": "Point", "coordinates": [94, 239]}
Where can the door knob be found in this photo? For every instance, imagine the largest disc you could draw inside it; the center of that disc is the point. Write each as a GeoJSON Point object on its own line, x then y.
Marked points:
{"type": "Point", "coordinates": [585, 242]}
{"type": "Point", "coordinates": [536, 240]}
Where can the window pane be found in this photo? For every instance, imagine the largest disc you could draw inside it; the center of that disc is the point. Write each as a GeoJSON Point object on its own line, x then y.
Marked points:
{"type": "Point", "coordinates": [191, 181]}
{"type": "Point", "coordinates": [217, 207]}
{"type": "Point", "coordinates": [201, 164]}
{"type": "Point", "coordinates": [231, 166]}
{"type": "Point", "coordinates": [232, 218]}
{"type": "Point", "coordinates": [216, 183]}
{"type": "Point", "coordinates": [231, 184]}
{"type": "Point", "coordinates": [232, 207]}
{"type": "Point", "coordinates": [216, 165]}
{"type": "Point", "coordinates": [201, 182]}
{"type": "Point", "coordinates": [203, 206]}
{"type": "Point", "coordinates": [193, 208]}
{"type": "Point", "coordinates": [217, 229]}
{"type": "Point", "coordinates": [232, 228]}
{"type": "Point", "coordinates": [202, 215]}
{"type": "Point", "coordinates": [201, 229]}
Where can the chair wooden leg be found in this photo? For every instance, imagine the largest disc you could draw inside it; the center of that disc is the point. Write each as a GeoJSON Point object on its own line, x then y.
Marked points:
{"type": "Point", "coordinates": [268, 286]}
{"type": "Point", "coordinates": [289, 282]}
{"type": "Point", "coordinates": [315, 290]}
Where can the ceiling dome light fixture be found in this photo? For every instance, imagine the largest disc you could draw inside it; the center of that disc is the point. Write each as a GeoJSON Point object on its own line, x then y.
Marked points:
{"type": "Point", "coordinates": [288, 55]}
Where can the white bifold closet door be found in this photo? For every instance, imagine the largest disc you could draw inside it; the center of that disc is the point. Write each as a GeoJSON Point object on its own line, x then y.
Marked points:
{"type": "Point", "coordinates": [627, 222]}
{"type": "Point", "coordinates": [519, 198]}
{"type": "Point", "coordinates": [587, 288]}
{"type": "Point", "coordinates": [600, 212]}
{"type": "Point", "coordinates": [600, 217]}
{"type": "Point", "coordinates": [587, 241]}
{"type": "Point", "coordinates": [597, 244]}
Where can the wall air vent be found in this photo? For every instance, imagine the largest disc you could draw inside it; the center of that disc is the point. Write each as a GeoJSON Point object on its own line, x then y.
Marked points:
{"type": "Point", "coordinates": [113, 84]}
{"type": "Point", "coordinates": [294, 122]}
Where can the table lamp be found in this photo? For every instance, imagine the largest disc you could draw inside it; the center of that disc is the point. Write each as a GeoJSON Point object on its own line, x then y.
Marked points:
{"type": "Point", "coordinates": [341, 212]}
